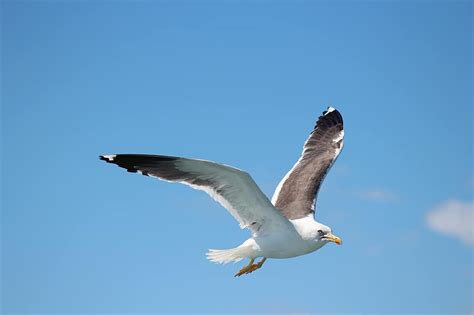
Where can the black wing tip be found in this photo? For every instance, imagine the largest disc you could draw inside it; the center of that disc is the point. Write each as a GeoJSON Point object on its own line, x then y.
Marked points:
{"type": "Point", "coordinates": [136, 163]}
{"type": "Point", "coordinates": [107, 158]}
{"type": "Point", "coordinates": [331, 111]}
{"type": "Point", "coordinates": [329, 117]}
{"type": "Point", "coordinates": [114, 158]}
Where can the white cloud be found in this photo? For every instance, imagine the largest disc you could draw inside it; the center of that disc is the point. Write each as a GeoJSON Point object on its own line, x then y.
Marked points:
{"type": "Point", "coordinates": [453, 218]}
{"type": "Point", "coordinates": [377, 195]}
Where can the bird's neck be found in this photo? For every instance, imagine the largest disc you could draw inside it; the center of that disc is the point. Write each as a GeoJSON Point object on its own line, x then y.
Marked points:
{"type": "Point", "coordinates": [307, 227]}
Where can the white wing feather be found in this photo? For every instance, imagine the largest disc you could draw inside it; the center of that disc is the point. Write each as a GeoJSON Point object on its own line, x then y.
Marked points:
{"type": "Point", "coordinates": [234, 189]}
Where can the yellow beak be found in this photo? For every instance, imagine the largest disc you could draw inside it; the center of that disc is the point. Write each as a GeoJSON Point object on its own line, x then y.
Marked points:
{"type": "Point", "coordinates": [333, 238]}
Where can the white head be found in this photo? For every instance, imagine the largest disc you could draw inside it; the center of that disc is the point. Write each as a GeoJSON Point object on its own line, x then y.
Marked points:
{"type": "Point", "coordinates": [311, 229]}
{"type": "Point", "coordinates": [324, 234]}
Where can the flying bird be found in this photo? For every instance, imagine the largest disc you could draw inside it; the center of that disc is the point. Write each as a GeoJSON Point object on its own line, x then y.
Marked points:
{"type": "Point", "coordinates": [281, 228]}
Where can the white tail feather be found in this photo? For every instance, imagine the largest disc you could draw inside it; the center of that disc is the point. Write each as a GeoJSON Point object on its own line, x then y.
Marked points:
{"type": "Point", "coordinates": [225, 256]}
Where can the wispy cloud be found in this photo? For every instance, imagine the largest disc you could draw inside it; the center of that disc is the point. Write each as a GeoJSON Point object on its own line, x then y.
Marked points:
{"type": "Point", "coordinates": [453, 218]}
{"type": "Point", "coordinates": [377, 195]}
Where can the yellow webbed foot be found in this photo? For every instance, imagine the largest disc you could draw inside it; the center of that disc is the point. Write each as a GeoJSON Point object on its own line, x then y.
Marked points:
{"type": "Point", "coordinates": [251, 267]}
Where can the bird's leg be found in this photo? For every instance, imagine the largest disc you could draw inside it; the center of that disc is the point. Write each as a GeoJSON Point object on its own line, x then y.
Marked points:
{"type": "Point", "coordinates": [256, 266]}
{"type": "Point", "coordinates": [251, 267]}
{"type": "Point", "coordinates": [245, 269]}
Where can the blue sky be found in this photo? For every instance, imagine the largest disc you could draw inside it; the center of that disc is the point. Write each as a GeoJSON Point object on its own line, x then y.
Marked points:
{"type": "Point", "coordinates": [242, 83]}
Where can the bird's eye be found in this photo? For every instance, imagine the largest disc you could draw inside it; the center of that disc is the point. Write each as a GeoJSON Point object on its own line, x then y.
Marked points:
{"type": "Point", "coordinates": [320, 232]}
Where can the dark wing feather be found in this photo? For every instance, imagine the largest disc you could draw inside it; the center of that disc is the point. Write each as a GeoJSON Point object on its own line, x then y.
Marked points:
{"type": "Point", "coordinates": [296, 194]}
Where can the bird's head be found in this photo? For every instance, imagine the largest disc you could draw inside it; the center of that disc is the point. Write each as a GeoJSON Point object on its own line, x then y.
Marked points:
{"type": "Point", "coordinates": [325, 235]}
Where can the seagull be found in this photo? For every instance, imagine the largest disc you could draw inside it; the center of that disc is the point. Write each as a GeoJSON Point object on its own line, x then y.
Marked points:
{"type": "Point", "coordinates": [284, 227]}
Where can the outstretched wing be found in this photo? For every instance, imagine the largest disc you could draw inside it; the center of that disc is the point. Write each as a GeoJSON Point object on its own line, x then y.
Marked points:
{"type": "Point", "coordinates": [296, 194]}
{"type": "Point", "coordinates": [234, 189]}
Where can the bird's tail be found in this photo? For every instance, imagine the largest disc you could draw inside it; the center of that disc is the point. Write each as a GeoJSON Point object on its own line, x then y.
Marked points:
{"type": "Point", "coordinates": [225, 256]}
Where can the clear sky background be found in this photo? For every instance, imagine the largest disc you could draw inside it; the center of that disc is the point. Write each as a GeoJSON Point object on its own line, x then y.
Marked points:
{"type": "Point", "coordinates": [242, 83]}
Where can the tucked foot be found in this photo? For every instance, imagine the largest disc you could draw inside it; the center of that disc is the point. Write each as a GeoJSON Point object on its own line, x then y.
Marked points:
{"type": "Point", "coordinates": [251, 267]}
